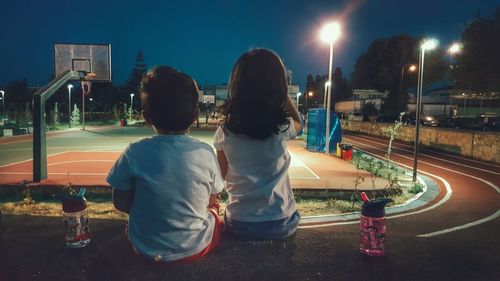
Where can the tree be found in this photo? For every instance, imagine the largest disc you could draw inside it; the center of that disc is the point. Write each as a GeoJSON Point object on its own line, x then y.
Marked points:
{"type": "Point", "coordinates": [55, 115]}
{"type": "Point", "coordinates": [478, 63]}
{"type": "Point", "coordinates": [381, 68]}
{"type": "Point", "coordinates": [75, 117]}
{"type": "Point", "coordinates": [133, 83]}
{"type": "Point", "coordinates": [342, 89]}
{"type": "Point", "coordinates": [369, 109]}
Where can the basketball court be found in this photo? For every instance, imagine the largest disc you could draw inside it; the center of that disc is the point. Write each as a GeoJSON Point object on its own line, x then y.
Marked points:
{"type": "Point", "coordinates": [86, 160]}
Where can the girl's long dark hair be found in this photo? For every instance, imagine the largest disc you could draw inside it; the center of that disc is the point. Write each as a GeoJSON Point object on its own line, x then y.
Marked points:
{"type": "Point", "coordinates": [257, 95]}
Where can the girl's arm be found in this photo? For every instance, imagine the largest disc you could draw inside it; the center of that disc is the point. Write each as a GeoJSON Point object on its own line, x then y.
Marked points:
{"type": "Point", "coordinates": [221, 158]}
{"type": "Point", "coordinates": [294, 113]}
{"type": "Point", "coordinates": [122, 199]}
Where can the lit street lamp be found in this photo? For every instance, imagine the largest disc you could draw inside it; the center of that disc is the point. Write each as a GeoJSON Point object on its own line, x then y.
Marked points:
{"type": "Point", "coordinates": [91, 99]}
{"type": "Point", "coordinates": [327, 83]}
{"type": "Point", "coordinates": [329, 34]}
{"type": "Point", "coordinates": [131, 103]}
{"type": "Point", "coordinates": [465, 101]}
{"type": "Point", "coordinates": [298, 96]}
{"type": "Point", "coordinates": [3, 102]}
{"type": "Point", "coordinates": [455, 48]}
{"type": "Point", "coordinates": [412, 68]}
{"type": "Point", "coordinates": [69, 104]}
{"type": "Point", "coordinates": [428, 44]}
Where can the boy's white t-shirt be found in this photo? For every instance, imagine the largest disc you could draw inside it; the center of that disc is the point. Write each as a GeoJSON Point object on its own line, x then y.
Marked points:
{"type": "Point", "coordinates": [257, 180]}
{"type": "Point", "coordinates": [172, 177]}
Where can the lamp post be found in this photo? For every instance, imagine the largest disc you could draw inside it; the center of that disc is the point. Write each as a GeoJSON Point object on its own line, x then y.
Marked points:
{"type": "Point", "coordinates": [298, 96]}
{"type": "Point", "coordinates": [70, 86]}
{"type": "Point", "coordinates": [465, 101]}
{"type": "Point", "coordinates": [412, 68]}
{"type": "Point", "coordinates": [327, 83]}
{"type": "Point", "coordinates": [130, 109]}
{"type": "Point", "coordinates": [3, 102]}
{"type": "Point", "coordinates": [329, 34]}
{"type": "Point", "coordinates": [91, 103]}
{"type": "Point", "coordinates": [428, 44]}
{"type": "Point", "coordinates": [454, 48]}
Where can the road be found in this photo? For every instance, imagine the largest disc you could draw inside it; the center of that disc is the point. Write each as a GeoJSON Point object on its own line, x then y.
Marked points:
{"type": "Point", "coordinates": [455, 237]}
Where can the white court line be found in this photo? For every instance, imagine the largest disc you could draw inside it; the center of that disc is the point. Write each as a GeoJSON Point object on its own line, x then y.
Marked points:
{"type": "Point", "coordinates": [296, 162]}
{"type": "Point", "coordinates": [79, 161]}
{"type": "Point", "coordinates": [437, 152]}
{"type": "Point", "coordinates": [471, 224]}
{"type": "Point", "coordinates": [64, 174]}
{"type": "Point", "coordinates": [64, 147]}
{"type": "Point", "coordinates": [437, 158]}
{"type": "Point", "coordinates": [20, 162]}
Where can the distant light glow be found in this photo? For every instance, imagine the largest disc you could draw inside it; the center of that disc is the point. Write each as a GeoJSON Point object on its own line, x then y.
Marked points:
{"type": "Point", "coordinates": [310, 94]}
{"type": "Point", "coordinates": [70, 86]}
{"type": "Point", "coordinates": [327, 83]}
{"type": "Point", "coordinates": [299, 94]}
{"type": "Point", "coordinates": [455, 48]}
{"type": "Point", "coordinates": [412, 67]}
{"type": "Point", "coordinates": [429, 44]}
{"type": "Point", "coordinates": [330, 32]}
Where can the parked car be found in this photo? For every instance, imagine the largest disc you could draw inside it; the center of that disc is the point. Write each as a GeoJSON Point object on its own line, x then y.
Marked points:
{"type": "Point", "coordinates": [429, 121]}
{"type": "Point", "coordinates": [465, 123]}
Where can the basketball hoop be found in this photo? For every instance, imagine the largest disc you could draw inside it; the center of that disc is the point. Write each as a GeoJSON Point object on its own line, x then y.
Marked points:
{"type": "Point", "coordinates": [86, 87]}
{"type": "Point", "coordinates": [87, 83]}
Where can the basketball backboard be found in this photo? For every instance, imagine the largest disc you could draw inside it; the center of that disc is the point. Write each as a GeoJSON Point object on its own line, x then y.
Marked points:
{"type": "Point", "coordinates": [89, 58]}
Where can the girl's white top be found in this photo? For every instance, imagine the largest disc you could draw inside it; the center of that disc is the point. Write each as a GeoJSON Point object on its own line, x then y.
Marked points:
{"type": "Point", "coordinates": [257, 179]}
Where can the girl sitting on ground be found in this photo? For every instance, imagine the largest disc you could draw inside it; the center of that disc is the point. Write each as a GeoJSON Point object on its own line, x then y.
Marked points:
{"type": "Point", "coordinates": [251, 144]}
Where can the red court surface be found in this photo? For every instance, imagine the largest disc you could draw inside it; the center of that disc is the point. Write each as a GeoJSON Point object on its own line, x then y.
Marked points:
{"type": "Point", "coordinates": [77, 168]}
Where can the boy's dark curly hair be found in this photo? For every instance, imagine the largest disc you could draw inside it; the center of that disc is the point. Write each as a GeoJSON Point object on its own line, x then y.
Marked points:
{"type": "Point", "coordinates": [169, 99]}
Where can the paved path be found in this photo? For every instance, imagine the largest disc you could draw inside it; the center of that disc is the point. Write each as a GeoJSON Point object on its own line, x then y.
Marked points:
{"type": "Point", "coordinates": [454, 237]}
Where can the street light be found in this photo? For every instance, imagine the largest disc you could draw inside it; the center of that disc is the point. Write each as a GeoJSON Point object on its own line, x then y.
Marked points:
{"type": "Point", "coordinates": [401, 83]}
{"type": "Point", "coordinates": [455, 48]}
{"type": "Point", "coordinates": [91, 99]}
{"type": "Point", "coordinates": [3, 102]}
{"type": "Point", "coordinates": [465, 101]}
{"type": "Point", "coordinates": [131, 103]}
{"type": "Point", "coordinates": [329, 34]}
{"type": "Point", "coordinates": [327, 83]}
{"type": "Point", "coordinates": [428, 44]}
{"type": "Point", "coordinates": [298, 95]}
{"type": "Point", "coordinates": [70, 86]}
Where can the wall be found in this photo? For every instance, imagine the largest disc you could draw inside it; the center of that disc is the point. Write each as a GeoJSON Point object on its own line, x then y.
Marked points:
{"type": "Point", "coordinates": [479, 145]}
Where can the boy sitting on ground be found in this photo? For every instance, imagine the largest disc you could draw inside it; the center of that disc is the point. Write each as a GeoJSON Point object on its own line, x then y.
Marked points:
{"type": "Point", "coordinates": [166, 182]}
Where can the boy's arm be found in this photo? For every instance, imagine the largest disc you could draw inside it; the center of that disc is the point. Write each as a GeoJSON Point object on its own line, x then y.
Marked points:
{"type": "Point", "coordinates": [294, 113]}
{"type": "Point", "coordinates": [221, 158]}
{"type": "Point", "coordinates": [122, 199]}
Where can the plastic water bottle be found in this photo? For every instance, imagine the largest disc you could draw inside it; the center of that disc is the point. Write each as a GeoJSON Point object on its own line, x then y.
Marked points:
{"type": "Point", "coordinates": [76, 220]}
{"type": "Point", "coordinates": [372, 226]}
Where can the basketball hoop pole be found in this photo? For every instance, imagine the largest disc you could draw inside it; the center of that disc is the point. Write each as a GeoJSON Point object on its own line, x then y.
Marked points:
{"type": "Point", "coordinates": [39, 131]}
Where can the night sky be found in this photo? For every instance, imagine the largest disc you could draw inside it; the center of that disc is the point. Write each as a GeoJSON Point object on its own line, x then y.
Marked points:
{"type": "Point", "coordinates": [204, 38]}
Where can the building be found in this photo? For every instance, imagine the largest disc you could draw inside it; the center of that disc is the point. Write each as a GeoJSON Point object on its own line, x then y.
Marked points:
{"type": "Point", "coordinates": [361, 97]}
{"type": "Point", "coordinates": [447, 101]}
{"type": "Point", "coordinates": [218, 94]}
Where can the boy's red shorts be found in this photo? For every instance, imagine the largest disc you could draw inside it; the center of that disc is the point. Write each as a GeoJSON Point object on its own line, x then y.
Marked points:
{"type": "Point", "coordinates": [218, 229]}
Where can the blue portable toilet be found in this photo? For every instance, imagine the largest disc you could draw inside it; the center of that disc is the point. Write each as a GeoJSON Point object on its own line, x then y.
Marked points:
{"type": "Point", "coordinates": [316, 130]}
